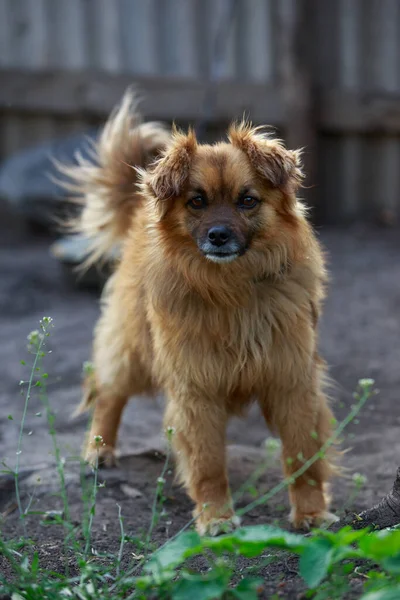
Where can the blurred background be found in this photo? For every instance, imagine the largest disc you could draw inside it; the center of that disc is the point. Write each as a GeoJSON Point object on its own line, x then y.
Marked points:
{"type": "Point", "coordinates": [325, 74]}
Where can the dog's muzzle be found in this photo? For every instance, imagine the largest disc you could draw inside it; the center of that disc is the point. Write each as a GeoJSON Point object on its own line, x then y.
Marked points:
{"type": "Point", "coordinates": [220, 245]}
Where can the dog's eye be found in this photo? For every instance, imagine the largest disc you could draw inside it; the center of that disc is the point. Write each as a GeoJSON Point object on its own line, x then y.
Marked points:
{"type": "Point", "coordinates": [247, 202]}
{"type": "Point", "coordinates": [197, 202]}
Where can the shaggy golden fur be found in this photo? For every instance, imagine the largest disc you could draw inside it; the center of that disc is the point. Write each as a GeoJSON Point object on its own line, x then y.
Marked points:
{"type": "Point", "coordinates": [214, 324]}
{"type": "Point", "coordinates": [105, 183]}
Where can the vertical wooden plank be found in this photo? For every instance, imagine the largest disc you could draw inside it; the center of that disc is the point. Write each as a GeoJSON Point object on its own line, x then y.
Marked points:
{"type": "Point", "coordinates": [202, 35]}
{"type": "Point", "coordinates": [330, 176]}
{"type": "Point", "coordinates": [349, 46]}
{"type": "Point", "coordinates": [254, 41]}
{"type": "Point", "coordinates": [296, 84]}
{"type": "Point", "coordinates": [28, 33]}
{"type": "Point", "coordinates": [104, 18]}
{"type": "Point", "coordinates": [387, 202]}
{"type": "Point", "coordinates": [370, 184]}
{"type": "Point", "coordinates": [350, 176]}
{"type": "Point", "coordinates": [381, 46]}
{"type": "Point", "coordinates": [91, 37]}
{"type": "Point", "coordinates": [241, 41]}
{"type": "Point", "coordinates": [6, 48]}
{"type": "Point", "coordinates": [177, 35]}
{"type": "Point", "coordinates": [370, 43]}
{"type": "Point", "coordinates": [368, 71]}
{"type": "Point", "coordinates": [259, 36]}
{"type": "Point", "coordinates": [139, 36]}
{"type": "Point", "coordinates": [349, 71]}
{"type": "Point", "coordinates": [325, 42]}
{"type": "Point", "coordinates": [222, 39]}
{"type": "Point", "coordinates": [91, 25]}
{"type": "Point", "coordinates": [221, 20]}
{"type": "Point", "coordinates": [36, 42]}
{"type": "Point", "coordinates": [387, 18]}
{"type": "Point", "coordinates": [388, 78]}
{"type": "Point", "coordinates": [66, 34]}
{"type": "Point", "coordinates": [229, 33]}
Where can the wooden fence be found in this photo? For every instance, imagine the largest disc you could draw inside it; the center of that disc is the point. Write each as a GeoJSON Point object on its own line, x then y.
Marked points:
{"type": "Point", "coordinates": [325, 72]}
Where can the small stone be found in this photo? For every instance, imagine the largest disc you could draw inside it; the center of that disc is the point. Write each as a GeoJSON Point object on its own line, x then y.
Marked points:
{"type": "Point", "coordinates": [53, 515]}
{"type": "Point", "coordinates": [130, 491]}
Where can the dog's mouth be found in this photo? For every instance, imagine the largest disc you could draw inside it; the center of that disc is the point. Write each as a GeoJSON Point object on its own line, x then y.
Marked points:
{"type": "Point", "coordinates": [224, 253]}
{"type": "Point", "coordinates": [221, 257]}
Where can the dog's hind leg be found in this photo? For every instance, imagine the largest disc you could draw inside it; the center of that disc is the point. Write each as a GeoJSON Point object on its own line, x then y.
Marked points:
{"type": "Point", "coordinates": [102, 435]}
{"type": "Point", "coordinates": [119, 372]}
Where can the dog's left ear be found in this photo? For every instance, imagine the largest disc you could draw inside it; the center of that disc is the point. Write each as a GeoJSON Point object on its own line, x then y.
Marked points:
{"type": "Point", "coordinates": [270, 159]}
{"type": "Point", "coordinates": [166, 179]}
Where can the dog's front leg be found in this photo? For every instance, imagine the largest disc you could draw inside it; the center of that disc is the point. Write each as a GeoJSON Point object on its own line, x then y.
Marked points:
{"type": "Point", "coordinates": [199, 438]}
{"type": "Point", "coordinates": [301, 415]}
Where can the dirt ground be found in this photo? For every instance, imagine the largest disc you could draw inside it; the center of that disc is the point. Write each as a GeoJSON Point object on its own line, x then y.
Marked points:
{"type": "Point", "coordinates": [360, 337]}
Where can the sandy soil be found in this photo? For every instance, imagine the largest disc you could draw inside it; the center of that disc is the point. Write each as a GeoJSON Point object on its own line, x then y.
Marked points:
{"type": "Point", "coordinates": [360, 337]}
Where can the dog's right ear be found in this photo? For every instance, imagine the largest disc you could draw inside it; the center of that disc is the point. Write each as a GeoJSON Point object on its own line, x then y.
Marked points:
{"type": "Point", "coordinates": [167, 177]}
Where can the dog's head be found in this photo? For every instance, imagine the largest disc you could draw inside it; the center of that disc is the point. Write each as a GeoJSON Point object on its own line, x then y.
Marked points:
{"type": "Point", "coordinates": [227, 202]}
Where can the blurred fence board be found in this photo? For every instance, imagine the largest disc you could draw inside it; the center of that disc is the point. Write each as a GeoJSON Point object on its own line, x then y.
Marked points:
{"type": "Point", "coordinates": [96, 93]}
{"type": "Point", "coordinates": [65, 63]}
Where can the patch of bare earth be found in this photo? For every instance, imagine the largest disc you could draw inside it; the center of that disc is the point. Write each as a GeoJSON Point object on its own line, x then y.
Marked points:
{"type": "Point", "coordinates": [360, 337]}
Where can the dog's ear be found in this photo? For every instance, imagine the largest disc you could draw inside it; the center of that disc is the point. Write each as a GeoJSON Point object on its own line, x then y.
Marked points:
{"type": "Point", "coordinates": [270, 159]}
{"type": "Point", "coordinates": [167, 177]}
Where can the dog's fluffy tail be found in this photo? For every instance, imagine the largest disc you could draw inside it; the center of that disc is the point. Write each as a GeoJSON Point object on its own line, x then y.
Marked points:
{"type": "Point", "coordinates": [105, 183]}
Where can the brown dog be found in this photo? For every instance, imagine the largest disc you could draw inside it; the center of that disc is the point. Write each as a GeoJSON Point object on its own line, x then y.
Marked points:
{"type": "Point", "coordinates": [215, 301]}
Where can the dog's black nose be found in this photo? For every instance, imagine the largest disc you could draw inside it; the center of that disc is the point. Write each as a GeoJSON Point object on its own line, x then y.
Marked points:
{"type": "Point", "coordinates": [219, 235]}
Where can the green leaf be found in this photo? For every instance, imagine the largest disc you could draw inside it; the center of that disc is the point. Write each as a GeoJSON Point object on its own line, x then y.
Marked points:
{"type": "Point", "coordinates": [175, 552]}
{"type": "Point", "coordinates": [315, 561]}
{"type": "Point", "coordinates": [248, 589]}
{"type": "Point", "coordinates": [343, 537]}
{"type": "Point", "coordinates": [7, 471]}
{"type": "Point", "coordinates": [35, 563]}
{"type": "Point", "coordinates": [381, 544]}
{"type": "Point", "coordinates": [392, 564]}
{"type": "Point", "coordinates": [148, 581]}
{"type": "Point", "coordinates": [251, 541]}
{"type": "Point", "coordinates": [392, 593]}
{"type": "Point", "coordinates": [199, 589]}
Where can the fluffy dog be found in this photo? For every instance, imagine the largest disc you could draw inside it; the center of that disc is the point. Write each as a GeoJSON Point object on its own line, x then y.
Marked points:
{"type": "Point", "coordinates": [215, 301]}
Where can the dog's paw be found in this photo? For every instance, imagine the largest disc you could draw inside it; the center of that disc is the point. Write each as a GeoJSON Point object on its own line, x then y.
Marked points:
{"type": "Point", "coordinates": [103, 458]}
{"type": "Point", "coordinates": [215, 526]}
{"type": "Point", "coordinates": [306, 521]}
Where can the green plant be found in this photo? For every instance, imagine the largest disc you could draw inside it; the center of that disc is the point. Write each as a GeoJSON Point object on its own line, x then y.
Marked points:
{"type": "Point", "coordinates": [319, 554]}
{"type": "Point", "coordinates": [327, 561]}
{"type": "Point", "coordinates": [36, 344]}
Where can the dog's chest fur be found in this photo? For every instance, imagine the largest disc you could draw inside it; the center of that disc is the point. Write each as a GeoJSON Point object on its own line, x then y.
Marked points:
{"type": "Point", "coordinates": [227, 349]}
